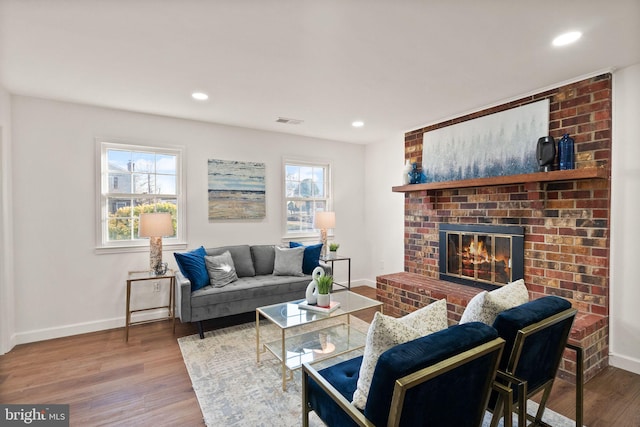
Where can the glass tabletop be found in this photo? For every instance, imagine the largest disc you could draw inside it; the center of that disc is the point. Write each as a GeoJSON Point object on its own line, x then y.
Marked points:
{"type": "Point", "coordinates": [147, 274]}
{"type": "Point", "coordinates": [288, 314]}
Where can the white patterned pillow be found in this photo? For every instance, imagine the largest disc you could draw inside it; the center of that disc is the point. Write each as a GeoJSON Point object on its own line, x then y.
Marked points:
{"type": "Point", "coordinates": [386, 332]}
{"type": "Point", "coordinates": [486, 306]}
{"type": "Point", "coordinates": [428, 319]}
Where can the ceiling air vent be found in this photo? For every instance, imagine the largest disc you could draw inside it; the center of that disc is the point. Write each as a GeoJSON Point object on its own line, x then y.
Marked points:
{"type": "Point", "coordinates": [289, 121]}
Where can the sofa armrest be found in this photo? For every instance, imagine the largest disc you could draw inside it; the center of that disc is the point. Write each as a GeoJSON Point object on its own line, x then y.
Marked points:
{"type": "Point", "coordinates": [183, 297]}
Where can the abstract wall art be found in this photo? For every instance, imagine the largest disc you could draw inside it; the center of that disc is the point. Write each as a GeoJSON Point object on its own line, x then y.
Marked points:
{"type": "Point", "coordinates": [498, 144]}
{"type": "Point", "coordinates": [236, 190]}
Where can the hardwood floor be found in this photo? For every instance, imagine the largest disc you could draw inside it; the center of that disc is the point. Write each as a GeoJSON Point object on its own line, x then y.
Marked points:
{"type": "Point", "coordinates": [144, 382]}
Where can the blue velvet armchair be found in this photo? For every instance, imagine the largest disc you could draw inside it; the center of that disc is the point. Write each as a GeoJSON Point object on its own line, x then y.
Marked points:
{"type": "Point", "coordinates": [535, 335]}
{"type": "Point", "coordinates": [442, 379]}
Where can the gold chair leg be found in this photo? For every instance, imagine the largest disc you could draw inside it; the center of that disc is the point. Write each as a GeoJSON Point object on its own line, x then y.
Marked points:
{"type": "Point", "coordinates": [579, 383]}
{"type": "Point", "coordinates": [497, 413]}
{"type": "Point", "coordinates": [305, 403]}
{"type": "Point", "coordinates": [522, 403]}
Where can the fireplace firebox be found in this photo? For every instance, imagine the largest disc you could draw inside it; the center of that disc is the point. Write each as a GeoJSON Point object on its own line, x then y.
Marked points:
{"type": "Point", "coordinates": [483, 256]}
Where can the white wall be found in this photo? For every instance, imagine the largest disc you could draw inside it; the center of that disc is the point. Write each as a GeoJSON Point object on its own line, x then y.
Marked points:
{"type": "Point", "coordinates": [385, 209]}
{"type": "Point", "coordinates": [61, 286]}
{"type": "Point", "coordinates": [624, 318]}
{"type": "Point", "coordinates": [7, 321]}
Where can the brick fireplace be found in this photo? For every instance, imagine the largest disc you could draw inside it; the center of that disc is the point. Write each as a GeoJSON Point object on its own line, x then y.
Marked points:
{"type": "Point", "coordinates": [566, 221]}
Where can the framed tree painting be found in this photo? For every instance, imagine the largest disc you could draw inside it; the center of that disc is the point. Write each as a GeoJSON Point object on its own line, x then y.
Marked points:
{"type": "Point", "coordinates": [236, 190]}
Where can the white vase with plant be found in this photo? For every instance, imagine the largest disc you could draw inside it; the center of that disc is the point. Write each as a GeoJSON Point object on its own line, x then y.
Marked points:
{"type": "Point", "coordinates": [324, 290]}
{"type": "Point", "coordinates": [333, 250]}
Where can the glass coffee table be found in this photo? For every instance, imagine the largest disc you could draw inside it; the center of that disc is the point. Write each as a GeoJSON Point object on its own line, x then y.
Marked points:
{"type": "Point", "coordinates": [313, 338]}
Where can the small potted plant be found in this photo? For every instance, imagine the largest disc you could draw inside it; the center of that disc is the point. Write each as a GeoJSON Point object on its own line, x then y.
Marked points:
{"type": "Point", "coordinates": [324, 288]}
{"type": "Point", "coordinates": [333, 249]}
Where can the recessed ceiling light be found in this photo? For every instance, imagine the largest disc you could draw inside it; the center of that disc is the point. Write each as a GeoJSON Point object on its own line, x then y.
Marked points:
{"type": "Point", "coordinates": [567, 38]}
{"type": "Point", "coordinates": [200, 96]}
{"type": "Point", "coordinates": [357, 124]}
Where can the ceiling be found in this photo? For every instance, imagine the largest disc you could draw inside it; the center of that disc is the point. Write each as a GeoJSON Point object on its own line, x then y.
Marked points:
{"type": "Point", "coordinates": [397, 65]}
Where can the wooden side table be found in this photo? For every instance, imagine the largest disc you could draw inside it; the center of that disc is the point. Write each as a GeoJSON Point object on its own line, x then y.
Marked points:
{"type": "Point", "coordinates": [337, 258]}
{"type": "Point", "coordinates": [140, 276]}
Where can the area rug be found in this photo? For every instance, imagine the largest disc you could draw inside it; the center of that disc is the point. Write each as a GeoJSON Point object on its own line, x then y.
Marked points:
{"type": "Point", "coordinates": [234, 390]}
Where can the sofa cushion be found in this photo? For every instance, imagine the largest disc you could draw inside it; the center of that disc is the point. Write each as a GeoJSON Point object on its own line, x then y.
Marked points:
{"type": "Point", "coordinates": [486, 306]}
{"type": "Point", "coordinates": [221, 269]}
{"type": "Point", "coordinates": [241, 256]}
{"type": "Point", "coordinates": [255, 287]}
{"type": "Point", "coordinates": [311, 258]}
{"type": "Point", "coordinates": [263, 258]}
{"type": "Point", "coordinates": [192, 266]}
{"type": "Point", "coordinates": [385, 332]}
{"type": "Point", "coordinates": [288, 261]}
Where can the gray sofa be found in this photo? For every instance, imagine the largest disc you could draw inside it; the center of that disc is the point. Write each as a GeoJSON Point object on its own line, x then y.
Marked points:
{"type": "Point", "coordinates": [256, 286]}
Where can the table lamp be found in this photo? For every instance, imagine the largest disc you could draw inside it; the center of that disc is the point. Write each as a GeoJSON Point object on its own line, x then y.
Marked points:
{"type": "Point", "coordinates": [323, 221]}
{"type": "Point", "coordinates": [155, 226]}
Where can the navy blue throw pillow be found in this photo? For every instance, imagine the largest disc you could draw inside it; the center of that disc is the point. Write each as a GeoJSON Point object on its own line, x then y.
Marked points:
{"type": "Point", "coordinates": [311, 257]}
{"type": "Point", "coordinates": [192, 265]}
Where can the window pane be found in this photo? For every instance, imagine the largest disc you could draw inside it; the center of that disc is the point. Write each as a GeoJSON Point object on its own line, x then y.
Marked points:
{"type": "Point", "coordinates": [143, 162]}
{"type": "Point", "coordinates": [119, 182]}
{"type": "Point", "coordinates": [119, 207]}
{"type": "Point", "coordinates": [165, 164]}
{"type": "Point", "coordinates": [318, 178]}
{"type": "Point", "coordinates": [308, 188]}
{"type": "Point", "coordinates": [292, 173]}
{"type": "Point", "coordinates": [118, 160]}
{"type": "Point", "coordinates": [293, 189]}
{"type": "Point", "coordinates": [165, 184]}
{"type": "Point", "coordinates": [120, 228]}
{"type": "Point", "coordinates": [306, 172]}
{"type": "Point", "coordinates": [299, 218]}
{"type": "Point", "coordinates": [144, 183]}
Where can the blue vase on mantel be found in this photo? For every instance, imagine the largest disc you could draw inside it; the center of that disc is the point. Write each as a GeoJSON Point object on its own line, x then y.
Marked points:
{"type": "Point", "coordinates": [566, 155]}
{"type": "Point", "coordinates": [417, 175]}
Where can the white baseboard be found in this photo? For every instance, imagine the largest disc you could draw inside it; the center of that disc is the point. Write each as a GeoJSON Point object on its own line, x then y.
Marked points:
{"type": "Point", "coordinates": [105, 324]}
{"type": "Point", "coordinates": [363, 282]}
{"type": "Point", "coordinates": [84, 328]}
{"type": "Point", "coordinates": [624, 362]}
{"type": "Point", "coordinates": [8, 346]}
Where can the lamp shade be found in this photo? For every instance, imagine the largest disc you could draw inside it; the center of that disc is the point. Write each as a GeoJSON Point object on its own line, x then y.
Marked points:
{"type": "Point", "coordinates": [155, 225]}
{"type": "Point", "coordinates": [324, 220]}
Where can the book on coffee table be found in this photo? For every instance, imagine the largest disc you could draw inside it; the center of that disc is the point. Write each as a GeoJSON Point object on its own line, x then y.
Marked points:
{"type": "Point", "coordinates": [334, 305]}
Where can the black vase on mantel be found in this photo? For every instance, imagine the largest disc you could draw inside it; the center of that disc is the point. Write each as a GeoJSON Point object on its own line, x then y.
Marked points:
{"type": "Point", "coordinates": [546, 153]}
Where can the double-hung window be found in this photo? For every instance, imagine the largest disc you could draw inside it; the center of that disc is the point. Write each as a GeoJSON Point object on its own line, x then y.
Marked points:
{"type": "Point", "coordinates": [307, 190]}
{"type": "Point", "coordinates": [137, 179]}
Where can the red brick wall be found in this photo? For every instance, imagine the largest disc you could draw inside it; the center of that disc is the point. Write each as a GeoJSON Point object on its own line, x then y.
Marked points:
{"type": "Point", "coordinates": [567, 224]}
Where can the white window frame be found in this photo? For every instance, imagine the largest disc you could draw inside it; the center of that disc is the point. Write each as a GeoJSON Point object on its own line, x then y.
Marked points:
{"type": "Point", "coordinates": [328, 191]}
{"type": "Point", "coordinates": [103, 245]}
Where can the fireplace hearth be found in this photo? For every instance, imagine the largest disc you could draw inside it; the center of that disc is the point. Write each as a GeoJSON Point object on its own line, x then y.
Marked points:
{"type": "Point", "coordinates": [483, 256]}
